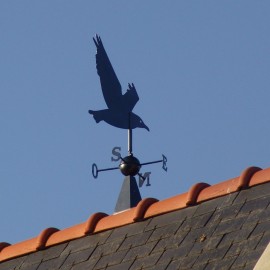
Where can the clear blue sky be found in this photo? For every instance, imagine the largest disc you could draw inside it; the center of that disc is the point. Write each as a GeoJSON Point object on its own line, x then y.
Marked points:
{"type": "Point", "coordinates": [201, 69]}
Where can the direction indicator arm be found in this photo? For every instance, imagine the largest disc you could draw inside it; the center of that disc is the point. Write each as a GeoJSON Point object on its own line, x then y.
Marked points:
{"type": "Point", "coordinates": [109, 169]}
{"type": "Point", "coordinates": [163, 160]}
{"type": "Point", "coordinates": [151, 162]}
{"type": "Point", "coordinates": [95, 170]}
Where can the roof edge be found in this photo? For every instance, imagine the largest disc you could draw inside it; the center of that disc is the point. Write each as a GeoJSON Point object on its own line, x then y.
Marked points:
{"type": "Point", "coordinates": [145, 209]}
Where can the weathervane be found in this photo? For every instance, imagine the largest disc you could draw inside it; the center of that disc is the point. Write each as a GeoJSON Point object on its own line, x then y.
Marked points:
{"type": "Point", "coordinates": [119, 114]}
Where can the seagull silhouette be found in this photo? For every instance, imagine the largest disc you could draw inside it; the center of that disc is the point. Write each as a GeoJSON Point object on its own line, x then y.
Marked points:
{"type": "Point", "coordinates": [119, 113]}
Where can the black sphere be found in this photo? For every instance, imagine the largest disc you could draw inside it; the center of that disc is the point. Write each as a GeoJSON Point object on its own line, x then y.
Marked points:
{"type": "Point", "coordinates": [130, 166]}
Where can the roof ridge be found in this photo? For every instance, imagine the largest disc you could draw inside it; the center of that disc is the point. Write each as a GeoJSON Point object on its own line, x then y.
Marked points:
{"type": "Point", "coordinates": [146, 208]}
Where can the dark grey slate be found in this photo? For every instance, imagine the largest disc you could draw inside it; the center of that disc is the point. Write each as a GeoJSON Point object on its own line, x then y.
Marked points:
{"type": "Point", "coordinates": [13, 264]}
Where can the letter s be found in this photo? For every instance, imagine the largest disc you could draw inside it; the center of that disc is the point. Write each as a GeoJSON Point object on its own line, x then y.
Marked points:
{"type": "Point", "coordinates": [116, 152]}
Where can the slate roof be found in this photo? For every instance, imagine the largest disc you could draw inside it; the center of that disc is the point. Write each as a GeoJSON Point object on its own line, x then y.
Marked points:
{"type": "Point", "coordinates": [224, 226]}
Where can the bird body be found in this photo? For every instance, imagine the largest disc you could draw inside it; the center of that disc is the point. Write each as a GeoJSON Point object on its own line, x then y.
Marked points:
{"type": "Point", "coordinates": [119, 112]}
{"type": "Point", "coordinates": [118, 119]}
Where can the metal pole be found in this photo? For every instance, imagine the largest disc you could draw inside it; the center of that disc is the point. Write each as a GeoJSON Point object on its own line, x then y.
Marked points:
{"type": "Point", "coordinates": [129, 136]}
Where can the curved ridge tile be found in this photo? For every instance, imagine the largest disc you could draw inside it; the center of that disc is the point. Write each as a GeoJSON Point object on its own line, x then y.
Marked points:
{"type": "Point", "coordinates": [167, 205]}
{"type": "Point", "coordinates": [260, 177]}
{"type": "Point", "coordinates": [66, 235]}
{"type": "Point", "coordinates": [246, 176]}
{"type": "Point", "coordinates": [18, 249]}
{"type": "Point", "coordinates": [142, 207]}
{"type": "Point", "coordinates": [218, 190]}
{"type": "Point", "coordinates": [194, 192]}
{"type": "Point", "coordinates": [44, 236]}
{"type": "Point", "coordinates": [92, 222]}
{"type": "Point", "coordinates": [116, 220]}
{"type": "Point", "coordinates": [3, 245]}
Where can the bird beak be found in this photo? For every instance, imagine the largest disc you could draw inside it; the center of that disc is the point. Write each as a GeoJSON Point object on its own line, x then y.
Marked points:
{"type": "Point", "coordinates": [146, 127]}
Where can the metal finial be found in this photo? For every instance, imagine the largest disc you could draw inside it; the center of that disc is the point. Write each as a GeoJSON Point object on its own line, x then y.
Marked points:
{"type": "Point", "coordinates": [129, 195]}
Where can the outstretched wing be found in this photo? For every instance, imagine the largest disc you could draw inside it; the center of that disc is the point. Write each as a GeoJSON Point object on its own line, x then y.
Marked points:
{"type": "Point", "coordinates": [110, 85]}
{"type": "Point", "coordinates": [130, 98]}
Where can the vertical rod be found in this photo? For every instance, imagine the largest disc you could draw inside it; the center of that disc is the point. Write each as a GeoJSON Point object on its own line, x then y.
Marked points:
{"type": "Point", "coordinates": [129, 135]}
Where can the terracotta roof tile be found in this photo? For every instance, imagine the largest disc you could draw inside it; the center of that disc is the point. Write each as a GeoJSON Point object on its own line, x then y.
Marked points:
{"type": "Point", "coordinates": [246, 176]}
{"type": "Point", "coordinates": [3, 245]}
{"type": "Point", "coordinates": [92, 222]}
{"type": "Point", "coordinates": [116, 220]}
{"type": "Point", "coordinates": [167, 205]}
{"type": "Point", "coordinates": [18, 249]}
{"type": "Point", "coordinates": [148, 208]}
{"type": "Point", "coordinates": [142, 207]}
{"type": "Point", "coordinates": [43, 237]}
{"type": "Point", "coordinates": [218, 190]}
{"type": "Point", "coordinates": [260, 177]}
{"type": "Point", "coordinates": [194, 192]}
{"type": "Point", "coordinates": [64, 235]}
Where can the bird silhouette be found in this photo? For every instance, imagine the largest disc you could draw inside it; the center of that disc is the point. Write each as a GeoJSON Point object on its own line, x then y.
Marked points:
{"type": "Point", "coordinates": [119, 113]}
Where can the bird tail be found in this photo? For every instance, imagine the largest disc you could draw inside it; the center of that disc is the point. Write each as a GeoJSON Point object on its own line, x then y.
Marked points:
{"type": "Point", "coordinates": [95, 115]}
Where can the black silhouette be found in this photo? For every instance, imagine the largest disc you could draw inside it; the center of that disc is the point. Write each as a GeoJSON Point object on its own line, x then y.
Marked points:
{"type": "Point", "coordinates": [119, 113]}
